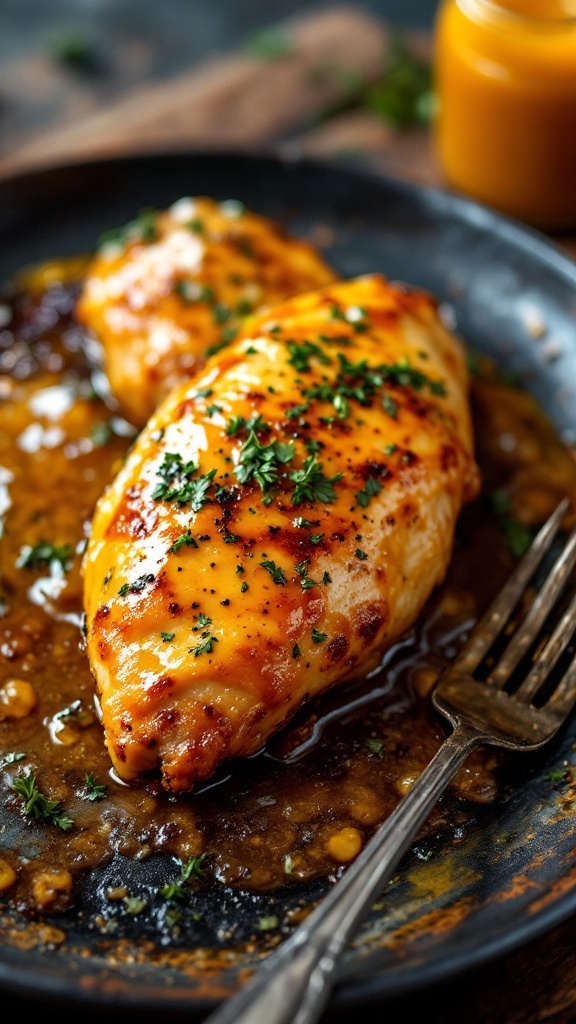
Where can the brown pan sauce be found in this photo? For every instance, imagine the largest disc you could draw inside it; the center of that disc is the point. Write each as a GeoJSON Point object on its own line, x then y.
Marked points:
{"type": "Point", "coordinates": [302, 808]}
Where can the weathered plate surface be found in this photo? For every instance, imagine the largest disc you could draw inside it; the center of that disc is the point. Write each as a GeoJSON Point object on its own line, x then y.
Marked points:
{"type": "Point", "coordinates": [514, 875]}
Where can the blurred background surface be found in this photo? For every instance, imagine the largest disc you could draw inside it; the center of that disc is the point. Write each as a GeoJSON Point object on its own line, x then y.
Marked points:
{"type": "Point", "coordinates": [64, 59]}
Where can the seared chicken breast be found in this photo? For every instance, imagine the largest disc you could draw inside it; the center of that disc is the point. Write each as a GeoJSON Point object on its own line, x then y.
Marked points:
{"type": "Point", "coordinates": [277, 525]}
{"type": "Point", "coordinates": [172, 286]}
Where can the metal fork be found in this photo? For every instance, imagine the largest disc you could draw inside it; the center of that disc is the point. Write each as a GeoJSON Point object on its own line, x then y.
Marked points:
{"type": "Point", "coordinates": [293, 984]}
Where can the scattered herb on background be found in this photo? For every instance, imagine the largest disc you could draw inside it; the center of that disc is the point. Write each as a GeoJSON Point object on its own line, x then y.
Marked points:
{"type": "Point", "coordinates": [77, 52]}
{"type": "Point", "coordinates": [269, 44]}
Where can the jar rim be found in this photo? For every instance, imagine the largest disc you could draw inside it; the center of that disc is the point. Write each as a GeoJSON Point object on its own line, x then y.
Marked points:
{"type": "Point", "coordinates": [503, 15]}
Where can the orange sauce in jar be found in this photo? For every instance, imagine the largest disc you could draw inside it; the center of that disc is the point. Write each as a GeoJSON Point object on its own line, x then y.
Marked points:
{"type": "Point", "coordinates": [505, 127]}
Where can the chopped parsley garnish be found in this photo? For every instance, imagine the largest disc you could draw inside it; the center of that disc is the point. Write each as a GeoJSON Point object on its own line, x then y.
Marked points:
{"type": "Point", "coordinates": [143, 229]}
{"type": "Point", "coordinates": [296, 652]}
{"type": "Point", "coordinates": [390, 407]}
{"type": "Point", "coordinates": [43, 554]}
{"type": "Point", "coordinates": [317, 637]}
{"type": "Point", "coordinates": [137, 585]}
{"type": "Point", "coordinates": [205, 645]}
{"type": "Point", "coordinates": [238, 423]}
{"type": "Point", "coordinates": [267, 924]}
{"type": "Point", "coordinates": [300, 354]}
{"type": "Point", "coordinates": [37, 805]}
{"type": "Point", "coordinates": [326, 579]}
{"type": "Point", "coordinates": [196, 225]}
{"type": "Point", "coordinates": [184, 539]}
{"type": "Point", "coordinates": [262, 462]}
{"type": "Point", "coordinates": [311, 483]}
{"type": "Point", "coordinates": [202, 620]}
{"type": "Point", "coordinates": [360, 382]}
{"type": "Point", "coordinates": [167, 637]}
{"type": "Point", "coordinates": [194, 867]}
{"type": "Point", "coordinates": [243, 587]}
{"type": "Point", "coordinates": [375, 747]}
{"type": "Point", "coordinates": [305, 580]}
{"type": "Point", "coordinates": [361, 555]}
{"type": "Point", "coordinates": [177, 483]}
{"type": "Point", "coordinates": [275, 571]}
{"type": "Point", "coordinates": [372, 487]}
{"type": "Point", "coordinates": [172, 891]}
{"type": "Point", "coordinates": [94, 790]}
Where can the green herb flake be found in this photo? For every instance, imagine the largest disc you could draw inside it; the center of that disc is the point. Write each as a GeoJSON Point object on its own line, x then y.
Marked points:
{"type": "Point", "coordinates": [300, 354]}
{"type": "Point", "coordinates": [42, 555]}
{"type": "Point", "coordinates": [94, 790]}
{"type": "Point", "coordinates": [177, 483]}
{"type": "Point", "coordinates": [167, 638]}
{"type": "Point", "coordinates": [262, 462]}
{"type": "Point", "coordinates": [194, 868]}
{"type": "Point", "coordinates": [390, 407]}
{"type": "Point", "coordinates": [317, 637]}
{"type": "Point", "coordinates": [361, 555]}
{"type": "Point", "coordinates": [134, 905]}
{"type": "Point", "coordinates": [296, 652]}
{"type": "Point", "coordinates": [326, 579]}
{"type": "Point", "coordinates": [172, 891]}
{"type": "Point", "coordinates": [403, 97]}
{"type": "Point", "coordinates": [196, 225]}
{"type": "Point", "coordinates": [275, 571]}
{"type": "Point", "coordinates": [143, 229]}
{"type": "Point", "coordinates": [268, 923]}
{"type": "Point", "coordinates": [311, 483]}
{"type": "Point", "coordinates": [375, 747]}
{"type": "Point", "coordinates": [185, 539]}
{"type": "Point", "coordinates": [372, 487]}
{"type": "Point", "coordinates": [39, 806]}
{"type": "Point", "coordinates": [137, 585]}
{"type": "Point", "coordinates": [270, 44]}
{"type": "Point", "coordinates": [202, 621]}
{"type": "Point", "coordinates": [205, 645]}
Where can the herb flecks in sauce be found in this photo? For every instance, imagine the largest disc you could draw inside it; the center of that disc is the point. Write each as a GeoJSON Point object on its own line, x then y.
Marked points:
{"type": "Point", "coordinates": [262, 800]}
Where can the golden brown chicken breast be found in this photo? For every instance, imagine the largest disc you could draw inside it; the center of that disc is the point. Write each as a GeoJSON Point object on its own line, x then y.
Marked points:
{"type": "Point", "coordinates": [173, 286]}
{"type": "Point", "coordinates": [279, 522]}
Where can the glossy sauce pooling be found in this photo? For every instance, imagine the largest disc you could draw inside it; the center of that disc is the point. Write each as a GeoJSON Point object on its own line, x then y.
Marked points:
{"type": "Point", "coordinates": [302, 808]}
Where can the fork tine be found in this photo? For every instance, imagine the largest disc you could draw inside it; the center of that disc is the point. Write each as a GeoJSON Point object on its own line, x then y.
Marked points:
{"type": "Point", "coordinates": [495, 618]}
{"type": "Point", "coordinates": [543, 603]}
{"type": "Point", "coordinates": [545, 662]}
{"type": "Point", "coordinates": [564, 696]}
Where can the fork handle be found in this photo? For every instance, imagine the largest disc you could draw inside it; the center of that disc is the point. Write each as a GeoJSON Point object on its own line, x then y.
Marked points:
{"type": "Point", "coordinates": [293, 984]}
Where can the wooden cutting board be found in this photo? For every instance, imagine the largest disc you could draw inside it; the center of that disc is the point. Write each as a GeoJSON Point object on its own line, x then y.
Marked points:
{"type": "Point", "coordinates": [277, 101]}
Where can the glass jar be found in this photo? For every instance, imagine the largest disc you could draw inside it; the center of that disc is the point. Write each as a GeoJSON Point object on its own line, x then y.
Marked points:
{"type": "Point", "coordinates": [505, 124]}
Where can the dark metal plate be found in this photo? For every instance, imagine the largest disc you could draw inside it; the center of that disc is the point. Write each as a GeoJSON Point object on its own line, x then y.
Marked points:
{"type": "Point", "coordinates": [514, 875]}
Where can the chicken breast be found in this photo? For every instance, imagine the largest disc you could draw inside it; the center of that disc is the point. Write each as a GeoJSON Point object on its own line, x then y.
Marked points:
{"type": "Point", "coordinates": [169, 288]}
{"type": "Point", "coordinates": [277, 525]}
